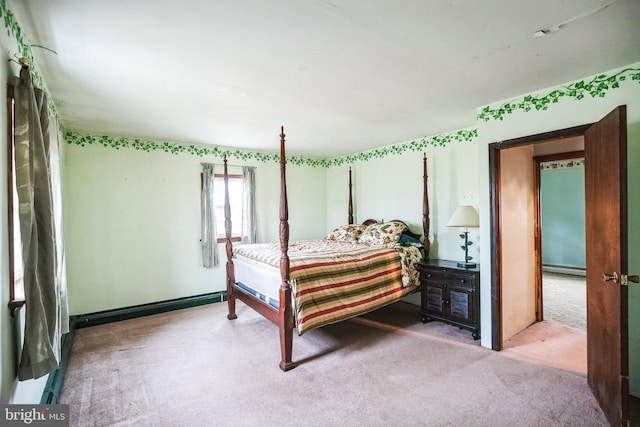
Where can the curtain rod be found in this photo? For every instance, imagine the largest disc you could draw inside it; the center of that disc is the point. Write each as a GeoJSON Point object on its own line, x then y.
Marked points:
{"type": "Point", "coordinates": [222, 164]}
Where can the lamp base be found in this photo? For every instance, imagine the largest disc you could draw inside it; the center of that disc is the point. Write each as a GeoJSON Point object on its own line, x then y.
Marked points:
{"type": "Point", "coordinates": [467, 264]}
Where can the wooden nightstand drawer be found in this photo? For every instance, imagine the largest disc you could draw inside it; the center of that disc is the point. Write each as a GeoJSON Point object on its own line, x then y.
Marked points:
{"type": "Point", "coordinates": [462, 280]}
{"type": "Point", "coordinates": [450, 294]}
{"type": "Point", "coordinates": [434, 275]}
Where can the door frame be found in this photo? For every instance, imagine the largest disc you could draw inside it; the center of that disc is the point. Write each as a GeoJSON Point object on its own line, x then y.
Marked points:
{"type": "Point", "coordinates": [537, 208]}
{"type": "Point", "coordinates": [495, 207]}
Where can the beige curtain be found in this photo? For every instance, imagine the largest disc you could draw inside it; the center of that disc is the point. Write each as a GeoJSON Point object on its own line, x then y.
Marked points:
{"type": "Point", "coordinates": [37, 173]}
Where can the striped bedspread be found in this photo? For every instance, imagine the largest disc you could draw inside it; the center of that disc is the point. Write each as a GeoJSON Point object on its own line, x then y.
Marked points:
{"type": "Point", "coordinates": [334, 281]}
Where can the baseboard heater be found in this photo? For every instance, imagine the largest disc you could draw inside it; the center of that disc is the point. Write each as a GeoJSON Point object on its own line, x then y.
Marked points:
{"type": "Point", "coordinates": [574, 271]}
{"type": "Point", "coordinates": [56, 378]}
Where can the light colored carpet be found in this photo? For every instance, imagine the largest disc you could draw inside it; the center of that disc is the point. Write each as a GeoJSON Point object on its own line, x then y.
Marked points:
{"type": "Point", "coordinates": [552, 344]}
{"type": "Point", "coordinates": [565, 299]}
{"type": "Point", "coordinates": [560, 340]}
{"type": "Point", "coordinates": [194, 367]}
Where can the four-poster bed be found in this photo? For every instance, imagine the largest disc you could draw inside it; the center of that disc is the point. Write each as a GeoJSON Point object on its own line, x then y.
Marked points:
{"type": "Point", "coordinates": [355, 269]}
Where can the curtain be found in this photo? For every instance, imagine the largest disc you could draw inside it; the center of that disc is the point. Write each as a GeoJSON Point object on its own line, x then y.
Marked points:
{"type": "Point", "coordinates": [208, 236]}
{"type": "Point", "coordinates": [249, 225]}
{"type": "Point", "coordinates": [37, 172]}
{"type": "Point", "coordinates": [61, 262]}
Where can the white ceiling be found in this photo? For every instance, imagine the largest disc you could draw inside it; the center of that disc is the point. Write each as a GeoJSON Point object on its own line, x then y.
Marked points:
{"type": "Point", "coordinates": [342, 76]}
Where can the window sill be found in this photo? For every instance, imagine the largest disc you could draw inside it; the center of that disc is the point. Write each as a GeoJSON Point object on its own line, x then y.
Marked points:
{"type": "Point", "coordinates": [233, 239]}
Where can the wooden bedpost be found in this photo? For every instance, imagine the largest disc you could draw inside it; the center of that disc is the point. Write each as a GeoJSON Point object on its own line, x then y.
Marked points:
{"type": "Point", "coordinates": [231, 299]}
{"type": "Point", "coordinates": [350, 219]}
{"type": "Point", "coordinates": [425, 210]}
{"type": "Point", "coordinates": [285, 313]}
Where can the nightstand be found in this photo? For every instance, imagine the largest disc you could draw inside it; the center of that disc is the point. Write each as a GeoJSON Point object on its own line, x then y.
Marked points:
{"type": "Point", "coordinates": [450, 293]}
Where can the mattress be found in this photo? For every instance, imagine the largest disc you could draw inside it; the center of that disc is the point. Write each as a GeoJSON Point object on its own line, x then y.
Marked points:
{"type": "Point", "coordinates": [329, 282]}
{"type": "Point", "coordinates": [259, 279]}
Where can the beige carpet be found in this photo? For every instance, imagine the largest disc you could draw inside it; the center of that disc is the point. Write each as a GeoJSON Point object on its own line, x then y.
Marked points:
{"type": "Point", "coordinates": [552, 344]}
{"type": "Point", "coordinates": [193, 367]}
{"type": "Point", "coordinates": [560, 340]}
{"type": "Point", "coordinates": [565, 299]}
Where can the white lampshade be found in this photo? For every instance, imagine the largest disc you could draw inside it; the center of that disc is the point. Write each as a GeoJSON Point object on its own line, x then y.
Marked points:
{"type": "Point", "coordinates": [464, 216]}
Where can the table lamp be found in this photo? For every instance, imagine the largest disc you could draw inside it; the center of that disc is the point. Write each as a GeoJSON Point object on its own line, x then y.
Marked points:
{"type": "Point", "coordinates": [465, 216]}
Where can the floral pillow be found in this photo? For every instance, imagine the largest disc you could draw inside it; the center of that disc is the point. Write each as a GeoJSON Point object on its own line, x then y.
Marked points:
{"type": "Point", "coordinates": [347, 233]}
{"type": "Point", "coordinates": [383, 234]}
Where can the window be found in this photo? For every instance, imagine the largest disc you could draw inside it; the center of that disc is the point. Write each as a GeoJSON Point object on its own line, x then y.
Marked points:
{"type": "Point", "coordinates": [16, 292]}
{"type": "Point", "coordinates": [236, 196]}
{"type": "Point", "coordinates": [212, 210]}
{"type": "Point", "coordinates": [18, 285]}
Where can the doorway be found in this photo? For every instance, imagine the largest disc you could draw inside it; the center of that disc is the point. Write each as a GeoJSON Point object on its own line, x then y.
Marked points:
{"type": "Point", "coordinates": [559, 207]}
{"type": "Point", "coordinates": [526, 331]}
{"type": "Point", "coordinates": [606, 250]}
{"type": "Point", "coordinates": [515, 227]}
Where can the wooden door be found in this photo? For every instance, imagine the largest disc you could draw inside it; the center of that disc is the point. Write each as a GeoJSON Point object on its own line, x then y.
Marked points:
{"type": "Point", "coordinates": [606, 246]}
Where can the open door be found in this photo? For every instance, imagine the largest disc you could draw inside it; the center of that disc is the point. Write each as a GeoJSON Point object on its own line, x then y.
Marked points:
{"type": "Point", "coordinates": [606, 246]}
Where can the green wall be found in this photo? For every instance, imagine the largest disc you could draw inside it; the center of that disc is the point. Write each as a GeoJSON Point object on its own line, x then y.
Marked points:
{"type": "Point", "coordinates": [133, 223]}
{"type": "Point", "coordinates": [391, 188]}
{"type": "Point", "coordinates": [633, 178]}
{"type": "Point", "coordinates": [562, 214]}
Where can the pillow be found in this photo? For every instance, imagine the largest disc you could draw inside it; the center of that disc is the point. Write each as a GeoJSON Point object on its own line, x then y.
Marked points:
{"type": "Point", "coordinates": [385, 234]}
{"type": "Point", "coordinates": [406, 240]}
{"type": "Point", "coordinates": [347, 233]}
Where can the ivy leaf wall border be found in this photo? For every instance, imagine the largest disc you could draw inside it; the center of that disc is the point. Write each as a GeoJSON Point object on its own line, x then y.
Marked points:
{"type": "Point", "coordinates": [597, 87]}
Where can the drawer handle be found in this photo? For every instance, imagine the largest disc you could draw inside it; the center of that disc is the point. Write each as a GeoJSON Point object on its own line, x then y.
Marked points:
{"type": "Point", "coordinates": [463, 281]}
{"type": "Point", "coordinates": [428, 275]}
